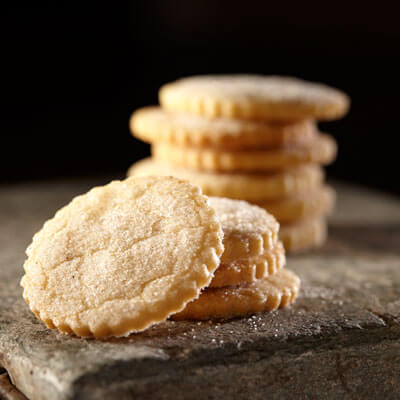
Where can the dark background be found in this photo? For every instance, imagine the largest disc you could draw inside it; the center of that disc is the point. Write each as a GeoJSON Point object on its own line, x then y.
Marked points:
{"type": "Point", "coordinates": [73, 73]}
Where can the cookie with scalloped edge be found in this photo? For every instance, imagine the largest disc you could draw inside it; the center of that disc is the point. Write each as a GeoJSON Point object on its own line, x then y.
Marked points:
{"type": "Point", "coordinates": [321, 150]}
{"type": "Point", "coordinates": [122, 257]}
{"type": "Point", "coordinates": [267, 294]}
{"type": "Point", "coordinates": [249, 231]}
{"type": "Point", "coordinates": [318, 202]}
{"type": "Point", "coordinates": [250, 269]}
{"type": "Point", "coordinates": [155, 125]}
{"type": "Point", "coordinates": [252, 187]}
{"type": "Point", "coordinates": [254, 97]}
{"type": "Point", "coordinates": [304, 235]}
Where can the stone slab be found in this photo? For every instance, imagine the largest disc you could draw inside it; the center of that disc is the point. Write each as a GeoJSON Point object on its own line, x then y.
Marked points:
{"type": "Point", "coordinates": [7, 390]}
{"type": "Point", "coordinates": [341, 340]}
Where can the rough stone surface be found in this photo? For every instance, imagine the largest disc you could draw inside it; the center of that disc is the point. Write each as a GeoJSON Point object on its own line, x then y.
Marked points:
{"type": "Point", "coordinates": [341, 340]}
{"type": "Point", "coordinates": [7, 390]}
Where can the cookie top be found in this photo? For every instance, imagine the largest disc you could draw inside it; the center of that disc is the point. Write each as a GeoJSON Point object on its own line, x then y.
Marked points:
{"type": "Point", "coordinates": [122, 257]}
{"type": "Point", "coordinates": [254, 97]}
{"type": "Point", "coordinates": [155, 125]}
{"type": "Point", "coordinates": [248, 230]}
{"type": "Point", "coordinates": [250, 186]}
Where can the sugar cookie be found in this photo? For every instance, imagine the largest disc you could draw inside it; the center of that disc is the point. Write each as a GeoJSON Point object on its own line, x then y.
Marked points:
{"type": "Point", "coordinates": [254, 97]}
{"type": "Point", "coordinates": [308, 204]}
{"type": "Point", "coordinates": [249, 231]}
{"type": "Point", "coordinates": [276, 291]}
{"type": "Point", "coordinates": [250, 269]}
{"type": "Point", "coordinates": [155, 125]}
{"type": "Point", "coordinates": [321, 150]}
{"type": "Point", "coordinates": [252, 187]}
{"type": "Point", "coordinates": [122, 257]}
{"type": "Point", "coordinates": [303, 235]}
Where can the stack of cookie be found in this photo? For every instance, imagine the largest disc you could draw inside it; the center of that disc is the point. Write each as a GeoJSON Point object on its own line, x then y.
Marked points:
{"type": "Point", "coordinates": [248, 137]}
{"type": "Point", "coordinates": [250, 277]}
